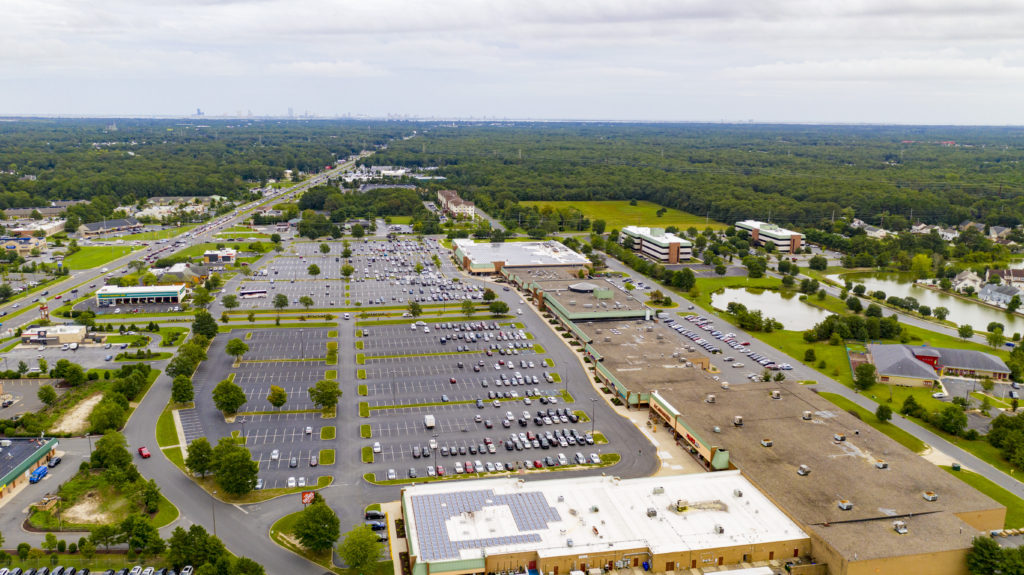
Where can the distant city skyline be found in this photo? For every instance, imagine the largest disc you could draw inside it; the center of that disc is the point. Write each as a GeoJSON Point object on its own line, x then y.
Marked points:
{"type": "Point", "coordinates": [786, 61]}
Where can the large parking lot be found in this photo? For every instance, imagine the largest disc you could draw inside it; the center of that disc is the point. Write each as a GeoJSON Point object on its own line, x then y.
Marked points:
{"type": "Point", "coordinates": [284, 444]}
{"type": "Point", "coordinates": [489, 401]}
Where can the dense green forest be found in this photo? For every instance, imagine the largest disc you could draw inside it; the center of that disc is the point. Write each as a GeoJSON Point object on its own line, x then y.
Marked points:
{"type": "Point", "coordinates": [793, 174]}
{"type": "Point", "coordinates": [112, 162]}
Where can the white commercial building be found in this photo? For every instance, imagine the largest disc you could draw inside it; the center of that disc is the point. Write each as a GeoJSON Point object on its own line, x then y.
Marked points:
{"type": "Point", "coordinates": [657, 244]}
{"type": "Point", "coordinates": [785, 241]}
{"type": "Point", "coordinates": [660, 524]}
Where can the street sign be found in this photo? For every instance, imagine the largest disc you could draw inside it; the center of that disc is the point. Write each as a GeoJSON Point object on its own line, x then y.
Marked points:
{"type": "Point", "coordinates": [307, 497]}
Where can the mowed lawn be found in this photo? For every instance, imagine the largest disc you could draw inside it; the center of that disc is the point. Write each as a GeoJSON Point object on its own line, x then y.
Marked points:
{"type": "Point", "coordinates": [155, 235]}
{"type": "Point", "coordinates": [93, 256]}
{"type": "Point", "coordinates": [619, 213]}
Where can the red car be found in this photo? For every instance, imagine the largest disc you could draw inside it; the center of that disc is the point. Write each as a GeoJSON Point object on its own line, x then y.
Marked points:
{"type": "Point", "coordinates": [469, 467]}
{"type": "Point", "coordinates": [538, 465]}
{"type": "Point", "coordinates": [144, 452]}
{"type": "Point", "coordinates": [452, 380]}
{"type": "Point", "coordinates": [440, 471]}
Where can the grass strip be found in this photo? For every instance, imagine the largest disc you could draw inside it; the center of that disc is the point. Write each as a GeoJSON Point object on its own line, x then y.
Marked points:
{"type": "Point", "coordinates": [539, 348]}
{"type": "Point", "coordinates": [361, 359]}
{"type": "Point", "coordinates": [327, 432]}
{"type": "Point", "coordinates": [599, 438]}
{"type": "Point", "coordinates": [364, 431]}
{"type": "Point", "coordinates": [1014, 505]}
{"type": "Point", "coordinates": [361, 374]}
{"type": "Point", "coordinates": [549, 362]}
{"type": "Point", "coordinates": [583, 416]}
{"type": "Point", "coordinates": [557, 378]}
{"type": "Point", "coordinates": [359, 344]}
{"type": "Point", "coordinates": [332, 333]}
{"type": "Point", "coordinates": [331, 374]}
{"type": "Point", "coordinates": [166, 433]}
{"type": "Point", "coordinates": [364, 409]}
{"type": "Point", "coordinates": [367, 454]}
{"type": "Point", "coordinates": [362, 389]}
{"type": "Point", "coordinates": [902, 437]}
{"type": "Point", "coordinates": [326, 457]}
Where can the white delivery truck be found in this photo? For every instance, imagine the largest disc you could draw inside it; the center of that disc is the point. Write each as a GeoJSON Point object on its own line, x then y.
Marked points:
{"type": "Point", "coordinates": [428, 421]}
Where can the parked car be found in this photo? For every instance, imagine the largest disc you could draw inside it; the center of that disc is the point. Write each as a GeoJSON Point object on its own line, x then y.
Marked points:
{"type": "Point", "coordinates": [144, 452]}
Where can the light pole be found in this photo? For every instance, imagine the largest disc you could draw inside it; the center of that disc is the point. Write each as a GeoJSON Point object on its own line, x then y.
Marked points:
{"type": "Point", "coordinates": [593, 413]}
{"type": "Point", "coordinates": [214, 509]}
{"type": "Point", "coordinates": [89, 437]}
{"type": "Point", "coordinates": [435, 452]}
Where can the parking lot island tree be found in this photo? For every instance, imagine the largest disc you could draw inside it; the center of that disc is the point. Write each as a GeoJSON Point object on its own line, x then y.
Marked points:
{"type": "Point", "coordinates": [182, 390]}
{"type": "Point", "coordinates": [280, 302]}
{"type": "Point", "coordinates": [228, 397]}
{"type": "Point", "coordinates": [415, 309]}
{"type": "Point", "coordinates": [229, 301]}
{"type": "Point", "coordinates": [277, 396]}
{"type": "Point", "coordinates": [318, 527]}
{"type": "Point", "coordinates": [498, 308]}
{"type": "Point", "coordinates": [233, 467]}
{"type": "Point", "coordinates": [361, 550]}
{"type": "Point", "coordinates": [347, 270]}
{"type": "Point", "coordinates": [313, 270]}
{"type": "Point", "coordinates": [468, 307]}
{"type": "Point", "coordinates": [236, 348]}
{"type": "Point", "coordinates": [204, 324]}
{"type": "Point", "coordinates": [325, 394]}
{"type": "Point", "coordinates": [200, 456]}
{"type": "Point", "coordinates": [47, 395]}
{"type": "Point", "coordinates": [306, 301]}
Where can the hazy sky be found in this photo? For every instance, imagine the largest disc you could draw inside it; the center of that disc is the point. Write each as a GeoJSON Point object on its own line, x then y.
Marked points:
{"type": "Point", "coordinates": [904, 61]}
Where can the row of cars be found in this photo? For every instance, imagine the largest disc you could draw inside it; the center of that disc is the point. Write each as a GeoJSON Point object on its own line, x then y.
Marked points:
{"type": "Point", "coordinates": [728, 339]}
{"type": "Point", "coordinates": [477, 466]}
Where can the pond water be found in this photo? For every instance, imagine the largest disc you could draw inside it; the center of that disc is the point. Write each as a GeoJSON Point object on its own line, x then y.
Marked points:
{"type": "Point", "coordinates": [960, 312]}
{"type": "Point", "coordinates": [785, 308]}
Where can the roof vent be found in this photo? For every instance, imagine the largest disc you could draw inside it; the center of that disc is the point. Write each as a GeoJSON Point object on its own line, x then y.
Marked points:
{"type": "Point", "coordinates": [710, 398]}
{"type": "Point", "coordinates": [930, 496]}
{"type": "Point", "coordinates": [561, 498]}
{"type": "Point", "coordinates": [738, 421]}
{"type": "Point", "coordinates": [737, 493]}
{"type": "Point", "coordinates": [845, 504]}
{"type": "Point", "coordinates": [803, 470]}
{"type": "Point", "coordinates": [776, 394]}
{"type": "Point", "coordinates": [882, 464]}
{"type": "Point", "coordinates": [658, 490]}
{"type": "Point", "coordinates": [900, 527]}
{"type": "Point", "coordinates": [766, 442]}
{"type": "Point", "coordinates": [652, 512]}
{"type": "Point", "coordinates": [807, 416]}
{"type": "Point", "coordinates": [568, 542]}
{"type": "Point", "coordinates": [725, 385]}
{"type": "Point", "coordinates": [716, 429]}
{"type": "Point", "coordinates": [839, 437]}
{"type": "Point", "coordinates": [719, 529]}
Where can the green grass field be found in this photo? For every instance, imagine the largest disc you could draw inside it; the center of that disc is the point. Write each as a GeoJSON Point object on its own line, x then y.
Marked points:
{"type": "Point", "coordinates": [1014, 505]}
{"type": "Point", "coordinates": [400, 220]}
{"type": "Point", "coordinates": [619, 213]}
{"type": "Point", "coordinates": [242, 235]}
{"type": "Point", "coordinates": [94, 256]}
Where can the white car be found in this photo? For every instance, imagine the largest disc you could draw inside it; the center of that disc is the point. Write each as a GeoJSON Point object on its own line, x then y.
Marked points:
{"type": "Point", "coordinates": [291, 482]}
{"type": "Point", "coordinates": [376, 447]}
{"type": "Point", "coordinates": [275, 455]}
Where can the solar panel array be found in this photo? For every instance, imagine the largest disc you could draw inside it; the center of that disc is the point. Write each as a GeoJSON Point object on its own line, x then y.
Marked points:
{"type": "Point", "coordinates": [530, 511]}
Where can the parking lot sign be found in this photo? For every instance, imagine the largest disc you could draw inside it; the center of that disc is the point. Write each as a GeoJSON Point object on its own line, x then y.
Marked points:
{"type": "Point", "coordinates": [307, 497]}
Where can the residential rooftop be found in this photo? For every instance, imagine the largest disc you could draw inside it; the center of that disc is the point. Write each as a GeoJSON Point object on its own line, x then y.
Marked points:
{"type": "Point", "coordinates": [472, 519]}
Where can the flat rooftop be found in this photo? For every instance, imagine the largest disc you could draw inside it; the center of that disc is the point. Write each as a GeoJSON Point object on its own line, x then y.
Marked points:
{"type": "Point", "coordinates": [838, 469]}
{"type": "Point", "coordinates": [15, 458]}
{"type": "Point", "coordinates": [519, 254]}
{"type": "Point", "coordinates": [643, 355]}
{"type": "Point", "coordinates": [587, 295]}
{"type": "Point", "coordinates": [55, 329]}
{"type": "Point", "coordinates": [140, 290]}
{"type": "Point", "coordinates": [472, 519]}
{"type": "Point", "coordinates": [656, 235]}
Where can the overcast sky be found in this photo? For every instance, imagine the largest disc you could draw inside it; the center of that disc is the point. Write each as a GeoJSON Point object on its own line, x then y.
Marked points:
{"type": "Point", "coordinates": [877, 61]}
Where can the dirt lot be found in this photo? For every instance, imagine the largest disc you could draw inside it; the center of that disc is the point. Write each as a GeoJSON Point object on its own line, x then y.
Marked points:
{"type": "Point", "coordinates": [77, 419]}
{"type": "Point", "coordinates": [87, 510]}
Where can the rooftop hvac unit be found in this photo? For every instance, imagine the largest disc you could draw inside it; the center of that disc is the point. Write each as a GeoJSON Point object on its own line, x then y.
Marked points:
{"type": "Point", "coordinates": [561, 498]}
{"type": "Point", "coordinates": [725, 385]}
{"type": "Point", "coordinates": [900, 527]}
{"type": "Point", "coordinates": [588, 305]}
{"type": "Point", "coordinates": [716, 429]}
{"type": "Point", "coordinates": [661, 336]}
{"type": "Point", "coordinates": [776, 394]}
{"type": "Point", "coordinates": [568, 542]}
{"type": "Point", "coordinates": [807, 416]}
{"type": "Point", "coordinates": [572, 302]}
{"type": "Point", "coordinates": [719, 529]}
{"type": "Point", "coordinates": [658, 490]}
{"type": "Point", "coordinates": [652, 512]}
{"type": "Point", "coordinates": [650, 328]}
{"type": "Point", "coordinates": [598, 331]}
{"type": "Point", "coordinates": [930, 496]}
{"type": "Point", "coordinates": [737, 493]}
{"type": "Point", "coordinates": [607, 339]}
{"type": "Point", "coordinates": [839, 437]}
{"type": "Point", "coordinates": [882, 464]}
{"type": "Point", "coordinates": [767, 442]}
{"type": "Point", "coordinates": [803, 470]}
{"type": "Point", "coordinates": [738, 421]}
{"type": "Point", "coordinates": [5, 442]}
{"type": "Point", "coordinates": [845, 504]}
{"type": "Point", "coordinates": [710, 398]}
